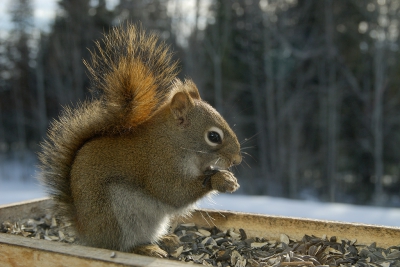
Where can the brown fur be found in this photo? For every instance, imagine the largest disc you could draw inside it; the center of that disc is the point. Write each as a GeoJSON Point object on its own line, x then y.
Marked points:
{"type": "Point", "coordinates": [125, 163]}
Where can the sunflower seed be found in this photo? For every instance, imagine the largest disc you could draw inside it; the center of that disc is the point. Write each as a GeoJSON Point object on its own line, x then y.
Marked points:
{"type": "Point", "coordinates": [213, 247]}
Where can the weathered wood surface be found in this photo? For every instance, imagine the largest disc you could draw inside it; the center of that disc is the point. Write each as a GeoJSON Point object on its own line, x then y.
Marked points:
{"type": "Point", "coordinates": [25, 252]}
{"type": "Point", "coordinates": [30, 208]}
{"type": "Point", "coordinates": [22, 251]}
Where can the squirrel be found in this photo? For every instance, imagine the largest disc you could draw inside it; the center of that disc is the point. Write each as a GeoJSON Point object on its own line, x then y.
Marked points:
{"type": "Point", "coordinates": [143, 150]}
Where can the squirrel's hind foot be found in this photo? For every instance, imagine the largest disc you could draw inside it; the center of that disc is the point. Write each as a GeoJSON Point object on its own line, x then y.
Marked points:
{"type": "Point", "coordinates": [170, 243]}
{"type": "Point", "coordinates": [150, 250]}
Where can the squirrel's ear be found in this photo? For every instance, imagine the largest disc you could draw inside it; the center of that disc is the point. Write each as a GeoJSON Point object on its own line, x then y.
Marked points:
{"type": "Point", "coordinates": [192, 89]}
{"type": "Point", "coordinates": [180, 105]}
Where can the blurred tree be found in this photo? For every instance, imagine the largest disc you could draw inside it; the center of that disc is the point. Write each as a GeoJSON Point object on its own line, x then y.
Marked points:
{"type": "Point", "coordinates": [76, 26]}
{"type": "Point", "coordinates": [310, 87]}
{"type": "Point", "coordinates": [71, 34]}
{"type": "Point", "coordinates": [20, 57]}
{"type": "Point", "coordinates": [152, 14]}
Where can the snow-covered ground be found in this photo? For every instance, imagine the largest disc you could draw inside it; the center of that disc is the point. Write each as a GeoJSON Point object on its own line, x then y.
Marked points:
{"type": "Point", "coordinates": [305, 209]}
{"type": "Point", "coordinates": [14, 191]}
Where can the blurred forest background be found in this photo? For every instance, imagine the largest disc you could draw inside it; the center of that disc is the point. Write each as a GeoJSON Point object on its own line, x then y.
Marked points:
{"type": "Point", "coordinates": [311, 87]}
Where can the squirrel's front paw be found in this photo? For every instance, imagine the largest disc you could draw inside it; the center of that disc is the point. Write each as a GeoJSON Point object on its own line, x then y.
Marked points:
{"type": "Point", "coordinates": [224, 181]}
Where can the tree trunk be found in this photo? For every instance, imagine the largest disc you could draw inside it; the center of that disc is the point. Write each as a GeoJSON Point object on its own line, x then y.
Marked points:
{"type": "Point", "coordinates": [271, 121]}
{"type": "Point", "coordinates": [280, 173]}
{"type": "Point", "coordinates": [218, 82]}
{"type": "Point", "coordinates": [294, 152]}
{"type": "Point", "coordinates": [260, 122]}
{"type": "Point", "coordinates": [332, 101]}
{"type": "Point", "coordinates": [41, 95]}
{"type": "Point", "coordinates": [377, 120]}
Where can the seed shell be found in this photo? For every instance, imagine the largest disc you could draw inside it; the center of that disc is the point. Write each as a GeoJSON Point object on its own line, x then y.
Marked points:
{"type": "Point", "coordinates": [213, 247]}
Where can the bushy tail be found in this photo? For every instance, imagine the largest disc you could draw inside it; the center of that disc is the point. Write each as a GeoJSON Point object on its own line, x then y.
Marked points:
{"type": "Point", "coordinates": [133, 71]}
{"type": "Point", "coordinates": [133, 74]}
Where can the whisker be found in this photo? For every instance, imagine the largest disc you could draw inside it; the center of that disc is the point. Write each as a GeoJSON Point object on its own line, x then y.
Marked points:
{"type": "Point", "coordinates": [236, 168]}
{"type": "Point", "coordinates": [249, 155]}
{"type": "Point", "coordinates": [209, 216]}
{"type": "Point", "coordinates": [212, 219]}
{"type": "Point", "coordinates": [244, 141]}
{"type": "Point", "coordinates": [244, 160]}
{"type": "Point", "coordinates": [248, 139]}
{"type": "Point", "coordinates": [205, 218]}
{"type": "Point", "coordinates": [197, 151]}
{"type": "Point", "coordinates": [247, 147]}
{"type": "Point", "coordinates": [221, 215]}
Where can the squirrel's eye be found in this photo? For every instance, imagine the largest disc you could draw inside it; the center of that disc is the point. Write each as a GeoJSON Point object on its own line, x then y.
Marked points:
{"type": "Point", "coordinates": [214, 136]}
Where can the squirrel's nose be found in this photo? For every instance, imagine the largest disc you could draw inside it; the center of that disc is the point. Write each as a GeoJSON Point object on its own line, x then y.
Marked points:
{"type": "Point", "coordinates": [237, 159]}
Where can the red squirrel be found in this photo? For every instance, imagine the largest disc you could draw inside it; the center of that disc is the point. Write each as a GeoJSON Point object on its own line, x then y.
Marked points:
{"type": "Point", "coordinates": [145, 149]}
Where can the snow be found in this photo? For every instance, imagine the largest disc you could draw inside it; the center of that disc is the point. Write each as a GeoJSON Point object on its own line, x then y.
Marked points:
{"type": "Point", "coordinates": [305, 209]}
{"type": "Point", "coordinates": [15, 191]}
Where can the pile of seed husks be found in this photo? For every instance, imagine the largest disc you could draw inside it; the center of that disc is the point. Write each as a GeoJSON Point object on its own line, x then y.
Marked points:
{"type": "Point", "coordinates": [213, 247]}
{"type": "Point", "coordinates": [45, 227]}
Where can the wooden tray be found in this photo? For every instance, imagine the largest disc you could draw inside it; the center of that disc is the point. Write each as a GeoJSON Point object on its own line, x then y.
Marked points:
{"type": "Point", "coordinates": [22, 251]}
